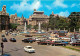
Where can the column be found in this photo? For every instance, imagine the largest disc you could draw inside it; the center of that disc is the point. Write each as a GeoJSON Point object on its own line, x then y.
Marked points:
{"type": "Point", "coordinates": [79, 30]}
{"type": "Point", "coordinates": [0, 23]}
{"type": "Point", "coordinates": [6, 27]}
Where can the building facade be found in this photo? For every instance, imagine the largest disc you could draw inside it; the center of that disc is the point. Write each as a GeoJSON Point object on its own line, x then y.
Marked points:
{"type": "Point", "coordinates": [14, 18]}
{"type": "Point", "coordinates": [22, 20]}
{"type": "Point", "coordinates": [17, 20]}
{"type": "Point", "coordinates": [38, 16]}
{"type": "Point", "coordinates": [4, 19]}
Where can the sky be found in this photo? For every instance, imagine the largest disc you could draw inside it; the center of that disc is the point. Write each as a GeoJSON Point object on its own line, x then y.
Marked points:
{"type": "Point", "coordinates": [26, 7]}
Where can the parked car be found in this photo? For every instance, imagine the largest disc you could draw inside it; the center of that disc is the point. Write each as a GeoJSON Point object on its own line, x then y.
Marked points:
{"type": "Point", "coordinates": [4, 39]}
{"type": "Point", "coordinates": [31, 39]}
{"type": "Point", "coordinates": [28, 40]}
{"type": "Point", "coordinates": [65, 42]}
{"type": "Point", "coordinates": [2, 35]}
{"type": "Point", "coordinates": [6, 33]}
{"type": "Point", "coordinates": [5, 55]}
{"type": "Point", "coordinates": [29, 49]}
{"type": "Point", "coordinates": [14, 34]}
{"type": "Point", "coordinates": [12, 39]}
{"type": "Point", "coordinates": [28, 36]}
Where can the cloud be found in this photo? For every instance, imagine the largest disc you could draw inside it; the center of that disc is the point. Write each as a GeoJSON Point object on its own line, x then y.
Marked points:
{"type": "Point", "coordinates": [59, 3]}
{"type": "Point", "coordinates": [73, 5]}
{"type": "Point", "coordinates": [48, 7]}
{"type": "Point", "coordinates": [65, 13]}
{"type": "Point", "coordinates": [25, 6]}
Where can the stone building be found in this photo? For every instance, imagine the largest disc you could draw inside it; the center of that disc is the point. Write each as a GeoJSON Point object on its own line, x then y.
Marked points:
{"type": "Point", "coordinates": [4, 19]}
{"type": "Point", "coordinates": [14, 18]}
{"type": "Point", "coordinates": [38, 16]}
{"type": "Point", "coordinates": [17, 20]}
{"type": "Point", "coordinates": [22, 20]}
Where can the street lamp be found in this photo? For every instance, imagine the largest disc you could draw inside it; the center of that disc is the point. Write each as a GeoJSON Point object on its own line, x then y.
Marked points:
{"type": "Point", "coordinates": [2, 46]}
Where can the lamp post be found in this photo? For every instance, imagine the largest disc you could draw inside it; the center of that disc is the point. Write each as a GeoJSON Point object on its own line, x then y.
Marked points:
{"type": "Point", "coordinates": [2, 46]}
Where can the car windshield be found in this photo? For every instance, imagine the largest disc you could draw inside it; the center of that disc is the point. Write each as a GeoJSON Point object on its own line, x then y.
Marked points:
{"type": "Point", "coordinates": [29, 47]}
{"type": "Point", "coordinates": [13, 38]}
{"type": "Point", "coordinates": [4, 38]}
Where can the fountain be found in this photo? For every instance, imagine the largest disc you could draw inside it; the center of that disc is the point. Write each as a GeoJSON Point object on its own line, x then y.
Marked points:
{"type": "Point", "coordinates": [39, 29]}
{"type": "Point", "coordinates": [39, 33]}
{"type": "Point", "coordinates": [25, 30]}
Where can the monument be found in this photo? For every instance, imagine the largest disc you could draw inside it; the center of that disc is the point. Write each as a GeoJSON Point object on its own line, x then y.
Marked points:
{"type": "Point", "coordinates": [39, 28]}
{"type": "Point", "coordinates": [25, 28]}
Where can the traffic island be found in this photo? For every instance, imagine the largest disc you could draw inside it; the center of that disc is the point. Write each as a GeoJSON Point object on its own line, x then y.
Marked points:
{"type": "Point", "coordinates": [72, 48]}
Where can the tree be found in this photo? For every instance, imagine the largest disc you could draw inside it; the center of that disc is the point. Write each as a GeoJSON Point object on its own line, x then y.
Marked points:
{"type": "Point", "coordinates": [29, 26]}
{"type": "Point", "coordinates": [35, 27]}
{"type": "Point", "coordinates": [13, 26]}
{"type": "Point", "coordinates": [45, 26]}
{"type": "Point", "coordinates": [53, 21]}
{"type": "Point", "coordinates": [58, 22]}
{"type": "Point", "coordinates": [75, 21]}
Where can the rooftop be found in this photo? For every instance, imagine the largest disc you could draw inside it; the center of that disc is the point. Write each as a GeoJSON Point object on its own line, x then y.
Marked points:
{"type": "Point", "coordinates": [39, 16]}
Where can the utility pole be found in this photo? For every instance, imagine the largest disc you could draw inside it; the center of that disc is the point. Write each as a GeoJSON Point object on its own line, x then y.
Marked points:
{"type": "Point", "coordinates": [2, 46]}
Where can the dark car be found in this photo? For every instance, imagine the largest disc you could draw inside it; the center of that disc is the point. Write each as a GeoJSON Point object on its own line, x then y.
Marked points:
{"type": "Point", "coordinates": [2, 35]}
{"type": "Point", "coordinates": [12, 39]}
{"type": "Point", "coordinates": [4, 39]}
{"type": "Point", "coordinates": [28, 36]}
{"type": "Point", "coordinates": [27, 40]}
{"type": "Point", "coordinates": [31, 39]}
{"type": "Point", "coordinates": [5, 55]}
{"type": "Point", "coordinates": [24, 40]}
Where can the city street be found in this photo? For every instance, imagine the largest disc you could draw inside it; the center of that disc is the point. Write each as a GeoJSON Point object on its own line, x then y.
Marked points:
{"type": "Point", "coordinates": [16, 49]}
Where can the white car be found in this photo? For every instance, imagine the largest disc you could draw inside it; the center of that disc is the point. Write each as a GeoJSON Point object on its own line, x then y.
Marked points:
{"type": "Point", "coordinates": [29, 49]}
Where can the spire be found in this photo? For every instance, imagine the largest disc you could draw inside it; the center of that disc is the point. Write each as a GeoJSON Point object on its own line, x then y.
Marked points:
{"type": "Point", "coordinates": [22, 16]}
{"type": "Point", "coordinates": [4, 8]}
{"type": "Point", "coordinates": [15, 14]}
{"type": "Point", "coordinates": [34, 9]}
{"type": "Point", "coordinates": [52, 13]}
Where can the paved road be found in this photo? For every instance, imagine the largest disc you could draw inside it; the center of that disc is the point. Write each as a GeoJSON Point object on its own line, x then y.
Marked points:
{"type": "Point", "coordinates": [16, 49]}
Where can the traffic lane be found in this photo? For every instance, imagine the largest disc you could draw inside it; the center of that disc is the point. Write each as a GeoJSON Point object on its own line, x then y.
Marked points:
{"type": "Point", "coordinates": [41, 50]}
{"type": "Point", "coordinates": [55, 50]}
{"type": "Point", "coordinates": [13, 49]}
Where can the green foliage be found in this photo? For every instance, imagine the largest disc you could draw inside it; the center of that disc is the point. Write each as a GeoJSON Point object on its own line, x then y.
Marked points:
{"type": "Point", "coordinates": [70, 47]}
{"type": "Point", "coordinates": [45, 26]}
{"type": "Point", "coordinates": [58, 22]}
{"type": "Point", "coordinates": [74, 23]}
{"type": "Point", "coordinates": [29, 26]}
{"type": "Point", "coordinates": [35, 27]}
{"type": "Point", "coordinates": [13, 26]}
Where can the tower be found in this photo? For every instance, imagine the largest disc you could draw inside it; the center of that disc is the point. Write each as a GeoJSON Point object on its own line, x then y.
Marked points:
{"type": "Point", "coordinates": [4, 9]}
{"type": "Point", "coordinates": [52, 13]}
{"type": "Point", "coordinates": [34, 9]}
{"type": "Point", "coordinates": [22, 16]}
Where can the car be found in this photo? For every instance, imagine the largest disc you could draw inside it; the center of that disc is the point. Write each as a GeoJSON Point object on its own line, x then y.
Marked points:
{"type": "Point", "coordinates": [14, 34]}
{"type": "Point", "coordinates": [29, 49]}
{"type": "Point", "coordinates": [6, 33]}
{"type": "Point", "coordinates": [2, 35]}
{"type": "Point", "coordinates": [32, 39]}
{"type": "Point", "coordinates": [5, 55]}
{"type": "Point", "coordinates": [28, 36]}
{"type": "Point", "coordinates": [12, 39]}
{"type": "Point", "coordinates": [4, 39]}
{"type": "Point", "coordinates": [28, 40]}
